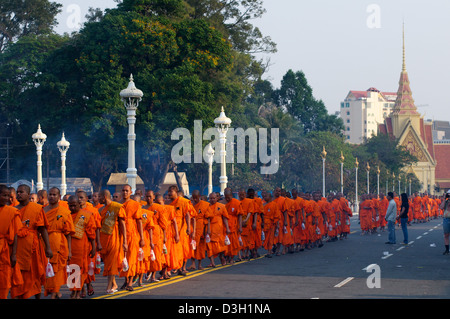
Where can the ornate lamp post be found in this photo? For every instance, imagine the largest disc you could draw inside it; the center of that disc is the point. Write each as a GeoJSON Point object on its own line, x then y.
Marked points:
{"type": "Point", "coordinates": [39, 140]}
{"type": "Point", "coordinates": [131, 96]}
{"type": "Point", "coordinates": [223, 124]}
{"type": "Point", "coordinates": [368, 177]}
{"type": "Point", "coordinates": [356, 186]}
{"type": "Point", "coordinates": [324, 157]}
{"type": "Point", "coordinates": [210, 158]}
{"type": "Point", "coordinates": [399, 179]}
{"type": "Point", "coordinates": [393, 182]}
{"type": "Point", "coordinates": [378, 180]}
{"type": "Point", "coordinates": [341, 159]}
{"type": "Point", "coordinates": [63, 146]}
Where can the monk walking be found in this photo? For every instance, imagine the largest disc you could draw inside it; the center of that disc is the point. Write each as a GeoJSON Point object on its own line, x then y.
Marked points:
{"type": "Point", "coordinates": [113, 238]}
{"type": "Point", "coordinates": [10, 224]}
{"type": "Point", "coordinates": [31, 256]}
{"type": "Point", "coordinates": [60, 231]}
{"type": "Point", "coordinates": [83, 243]}
{"type": "Point", "coordinates": [200, 207]}
{"type": "Point", "coordinates": [135, 236]}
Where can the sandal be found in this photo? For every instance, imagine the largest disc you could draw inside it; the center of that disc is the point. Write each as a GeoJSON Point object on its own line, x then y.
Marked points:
{"type": "Point", "coordinates": [90, 290]}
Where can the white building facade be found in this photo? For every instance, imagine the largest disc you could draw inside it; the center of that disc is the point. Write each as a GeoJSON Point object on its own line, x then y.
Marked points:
{"type": "Point", "coordinates": [363, 111]}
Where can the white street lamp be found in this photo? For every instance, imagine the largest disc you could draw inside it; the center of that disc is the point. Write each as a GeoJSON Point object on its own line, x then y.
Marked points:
{"type": "Point", "coordinates": [378, 180]}
{"type": "Point", "coordinates": [131, 96]}
{"type": "Point", "coordinates": [368, 177]}
{"type": "Point", "coordinates": [222, 124]}
{"type": "Point", "coordinates": [342, 158]}
{"type": "Point", "coordinates": [210, 157]}
{"type": "Point", "coordinates": [63, 146]}
{"type": "Point", "coordinates": [324, 157]}
{"type": "Point", "coordinates": [39, 140]}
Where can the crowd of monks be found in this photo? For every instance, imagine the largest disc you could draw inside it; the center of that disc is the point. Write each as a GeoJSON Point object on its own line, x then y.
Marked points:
{"type": "Point", "coordinates": [149, 236]}
{"type": "Point", "coordinates": [373, 208]}
{"type": "Point", "coordinates": [153, 236]}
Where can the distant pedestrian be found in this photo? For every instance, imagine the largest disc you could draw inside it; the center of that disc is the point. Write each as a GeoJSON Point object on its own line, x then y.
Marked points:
{"type": "Point", "coordinates": [390, 218]}
{"type": "Point", "coordinates": [445, 206]}
{"type": "Point", "coordinates": [404, 217]}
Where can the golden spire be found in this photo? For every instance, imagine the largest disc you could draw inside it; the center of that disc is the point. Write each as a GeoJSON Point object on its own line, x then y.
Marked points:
{"type": "Point", "coordinates": [404, 54]}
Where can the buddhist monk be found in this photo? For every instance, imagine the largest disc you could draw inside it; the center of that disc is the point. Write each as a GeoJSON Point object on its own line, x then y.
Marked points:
{"type": "Point", "coordinates": [365, 214]}
{"type": "Point", "coordinates": [160, 224]}
{"type": "Point", "coordinates": [184, 211]}
{"type": "Point", "coordinates": [232, 205]}
{"type": "Point", "coordinates": [271, 220]}
{"type": "Point", "coordinates": [300, 234]}
{"type": "Point", "coordinates": [13, 197]}
{"type": "Point", "coordinates": [135, 235]}
{"type": "Point", "coordinates": [143, 263]}
{"type": "Point", "coordinates": [117, 197]}
{"type": "Point", "coordinates": [10, 224]}
{"type": "Point", "coordinates": [33, 198]}
{"type": "Point", "coordinates": [60, 231]}
{"type": "Point", "coordinates": [32, 257]}
{"type": "Point", "coordinates": [200, 207]}
{"type": "Point", "coordinates": [86, 205]}
{"type": "Point", "coordinates": [256, 225]}
{"type": "Point", "coordinates": [83, 242]}
{"type": "Point", "coordinates": [42, 197]}
{"type": "Point", "coordinates": [281, 202]}
{"type": "Point", "coordinates": [95, 200]}
{"type": "Point", "coordinates": [217, 229]}
{"type": "Point", "coordinates": [246, 224]}
{"type": "Point", "coordinates": [345, 216]}
{"type": "Point", "coordinates": [113, 238]}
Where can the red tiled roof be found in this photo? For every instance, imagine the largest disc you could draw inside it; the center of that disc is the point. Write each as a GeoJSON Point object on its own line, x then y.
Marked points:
{"type": "Point", "coordinates": [442, 152]}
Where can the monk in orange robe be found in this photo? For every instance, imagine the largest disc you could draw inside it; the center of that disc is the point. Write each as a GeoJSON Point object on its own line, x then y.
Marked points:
{"type": "Point", "coordinates": [271, 220]}
{"type": "Point", "coordinates": [246, 224]}
{"type": "Point", "coordinates": [86, 205]}
{"type": "Point", "coordinates": [13, 202]}
{"type": "Point", "coordinates": [217, 229]}
{"type": "Point", "coordinates": [365, 214]}
{"type": "Point", "coordinates": [113, 238]}
{"type": "Point", "coordinates": [10, 224]}
{"type": "Point", "coordinates": [232, 205]}
{"type": "Point", "coordinates": [184, 211]}
{"type": "Point", "coordinates": [200, 207]}
{"type": "Point", "coordinates": [160, 224]}
{"type": "Point", "coordinates": [135, 236]}
{"type": "Point", "coordinates": [32, 258]}
{"type": "Point", "coordinates": [83, 244]}
{"type": "Point", "coordinates": [334, 215]}
{"type": "Point", "coordinates": [42, 197]}
{"type": "Point", "coordinates": [345, 216]}
{"type": "Point", "coordinates": [259, 209]}
{"type": "Point", "coordinates": [143, 264]}
{"type": "Point", "coordinates": [287, 234]}
{"type": "Point", "coordinates": [300, 234]}
{"type": "Point", "coordinates": [60, 231]}
{"type": "Point", "coordinates": [281, 202]}
{"type": "Point", "coordinates": [171, 238]}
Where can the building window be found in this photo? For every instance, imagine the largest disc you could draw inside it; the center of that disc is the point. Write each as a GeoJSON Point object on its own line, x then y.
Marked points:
{"type": "Point", "coordinates": [348, 113]}
{"type": "Point", "coordinates": [347, 104]}
{"type": "Point", "coordinates": [348, 120]}
{"type": "Point", "coordinates": [348, 128]}
{"type": "Point", "coordinates": [342, 104]}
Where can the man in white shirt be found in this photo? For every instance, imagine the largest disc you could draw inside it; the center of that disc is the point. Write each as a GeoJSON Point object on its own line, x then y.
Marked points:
{"type": "Point", "coordinates": [391, 215]}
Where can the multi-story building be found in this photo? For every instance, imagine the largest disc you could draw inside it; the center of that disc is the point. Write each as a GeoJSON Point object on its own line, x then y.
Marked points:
{"type": "Point", "coordinates": [363, 111]}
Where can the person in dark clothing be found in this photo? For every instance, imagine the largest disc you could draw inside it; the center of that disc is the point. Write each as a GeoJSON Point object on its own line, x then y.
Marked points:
{"type": "Point", "coordinates": [404, 217]}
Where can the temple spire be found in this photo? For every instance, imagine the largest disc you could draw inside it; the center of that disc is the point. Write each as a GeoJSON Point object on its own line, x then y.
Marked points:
{"type": "Point", "coordinates": [404, 54]}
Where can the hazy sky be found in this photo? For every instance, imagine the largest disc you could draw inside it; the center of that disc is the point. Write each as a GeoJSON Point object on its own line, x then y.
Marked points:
{"type": "Point", "coordinates": [344, 45]}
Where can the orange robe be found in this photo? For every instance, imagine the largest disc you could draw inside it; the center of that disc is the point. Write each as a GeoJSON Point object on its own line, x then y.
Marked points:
{"type": "Point", "coordinates": [98, 221]}
{"type": "Point", "coordinates": [345, 216]}
{"type": "Point", "coordinates": [365, 214]}
{"type": "Point", "coordinates": [300, 231]}
{"type": "Point", "coordinates": [85, 226]}
{"type": "Point", "coordinates": [233, 212]}
{"type": "Point", "coordinates": [322, 218]}
{"type": "Point", "coordinates": [60, 225]}
{"type": "Point", "coordinates": [281, 202]}
{"type": "Point", "coordinates": [334, 218]}
{"type": "Point", "coordinates": [110, 238]}
{"type": "Point", "coordinates": [169, 261]}
{"type": "Point", "coordinates": [10, 224]}
{"type": "Point", "coordinates": [30, 252]}
{"type": "Point", "coordinates": [183, 209]}
{"type": "Point", "coordinates": [384, 203]}
{"type": "Point", "coordinates": [258, 209]}
{"type": "Point", "coordinates": [272, 217]}
{"type": "Point", "coordinates": [133, 212]}
{"type": "Point", "coordinates": [417, 207]}
{"type": "Point", "coordinates": [310, 208]}
{"type": "Point", "coordinates": [143, 266]}
{"type": "Point", "coordinates": [287, 237]}
{"type": "Point", "coordinates": [160, 224]}
{"type": "Point", "coordinates": [215, 214]}
{"type": "Point", "coordinates": [200, 229]}
{"type": "Point", "coordinates": [246, 209]}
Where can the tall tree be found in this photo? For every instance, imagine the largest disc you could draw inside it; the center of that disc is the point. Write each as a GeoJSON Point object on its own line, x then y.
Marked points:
{"type": "Point", "coordinates": [26, 17]}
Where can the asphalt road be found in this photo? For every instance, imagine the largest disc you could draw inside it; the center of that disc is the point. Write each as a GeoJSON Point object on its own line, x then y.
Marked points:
{"type": "Point", "coordinates": [359, 267]}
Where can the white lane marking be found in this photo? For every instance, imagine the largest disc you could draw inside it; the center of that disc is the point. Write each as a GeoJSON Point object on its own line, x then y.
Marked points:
{"type": "Point", "coordinates": [425, 233]}
{"type": "Point", "coordinates": [387, 256]}
{"type": "Point", "coordinates": [400, 248]}
{"type": "Point", "coordinates": [419, 237]}
{"type": "Point", "coordinates": [342, 283]}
